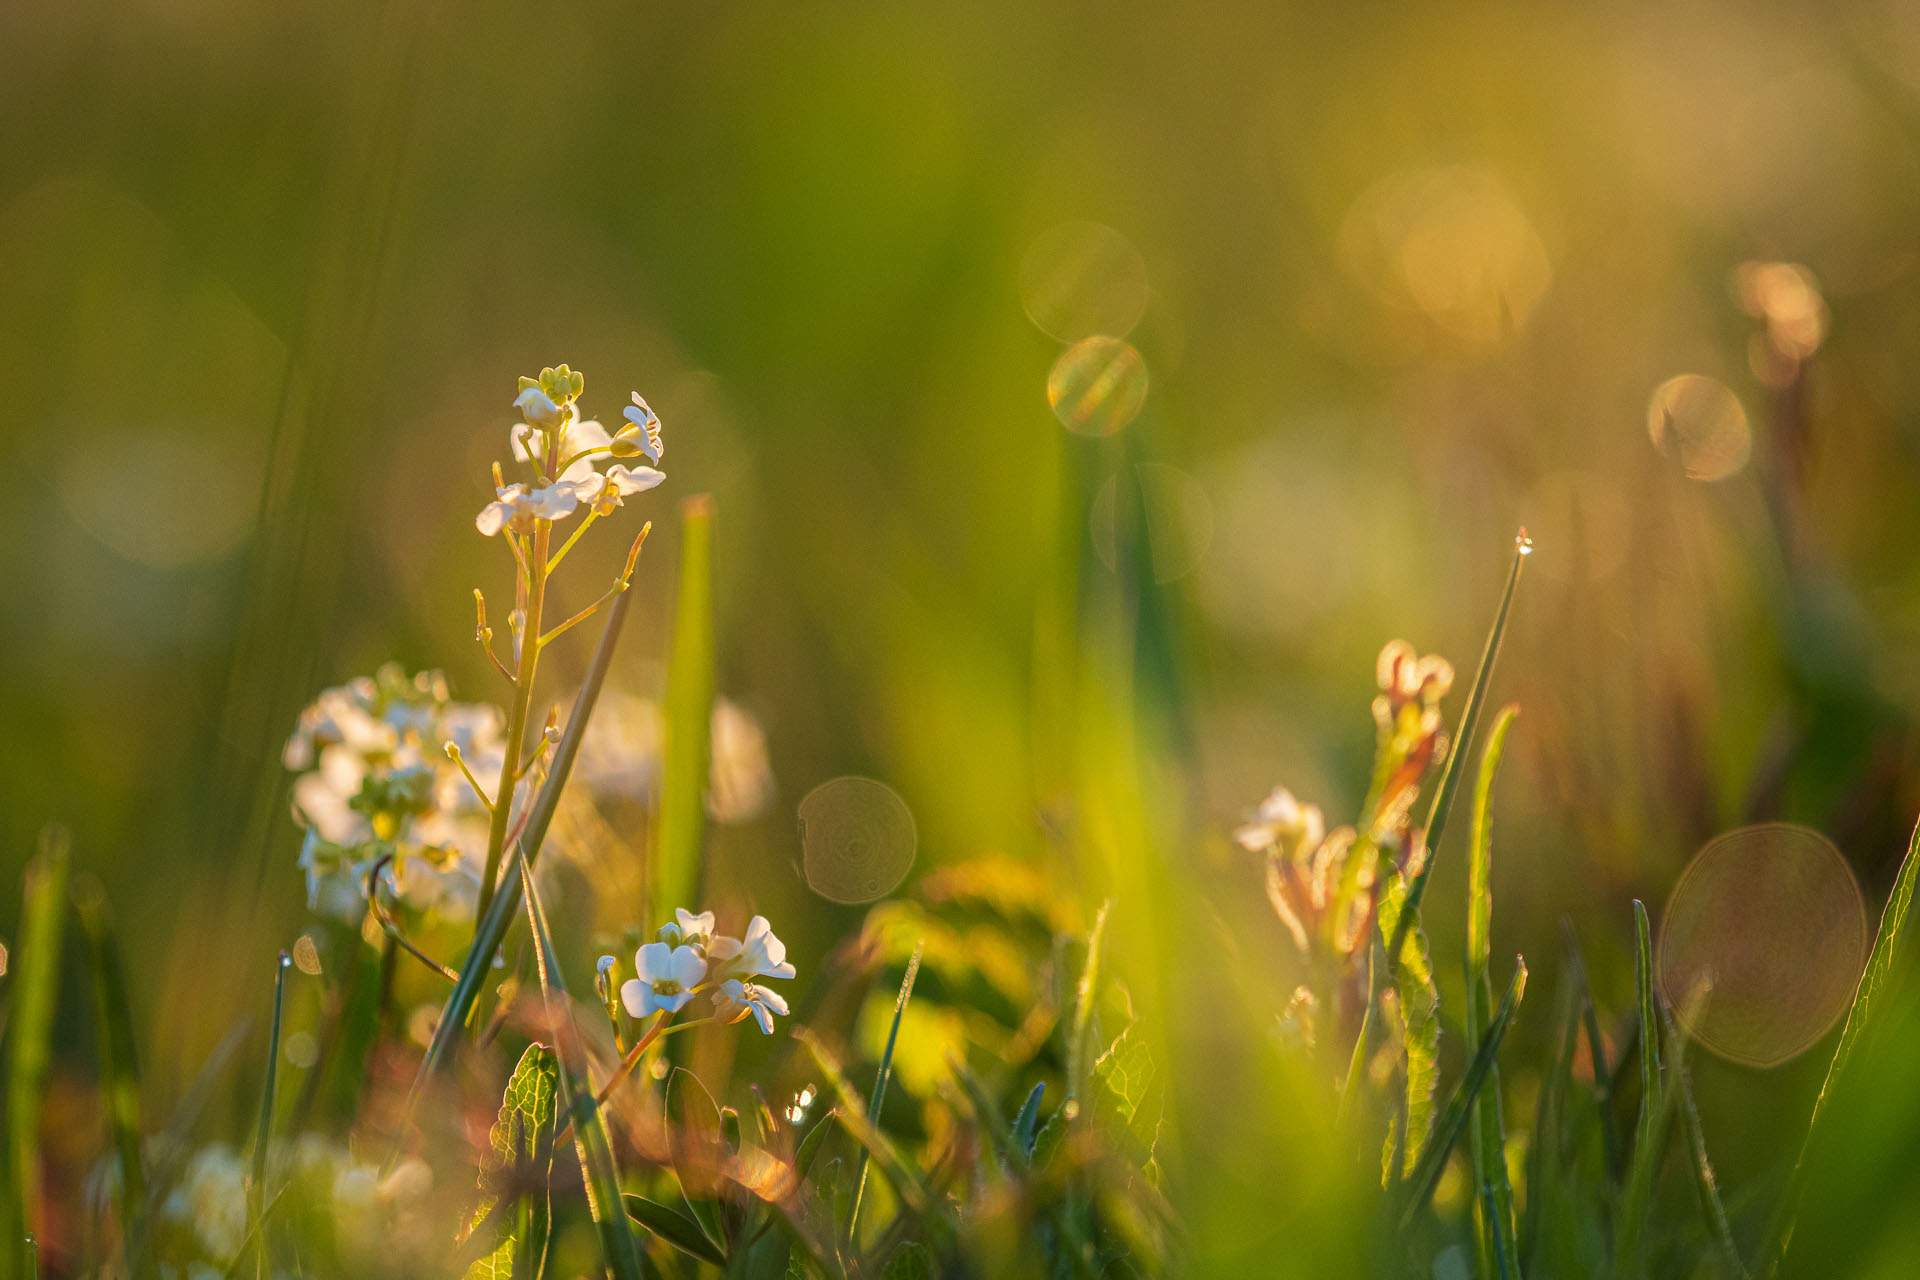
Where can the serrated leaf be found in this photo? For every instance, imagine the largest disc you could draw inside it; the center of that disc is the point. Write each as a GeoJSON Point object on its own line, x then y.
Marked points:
{"type": "Point", "coordinates": [1134, 1094]}
{"type": "Point", "coordinates": [676, 1228]}
{"type": "Point", "coordinates": [1419, 1000]}
{"type": "Point", "coordinates": [522, 1141]}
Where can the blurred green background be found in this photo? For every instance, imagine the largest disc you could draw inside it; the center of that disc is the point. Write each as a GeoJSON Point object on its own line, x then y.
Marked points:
{"type": "Point", "coordinates": [1413, 277]}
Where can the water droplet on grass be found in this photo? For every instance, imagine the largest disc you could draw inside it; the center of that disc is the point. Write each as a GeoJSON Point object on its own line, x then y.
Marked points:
{"type": "Point", "coordinates": [1769, 921]}
{"type": "Point", "coordinates": [857, 839]}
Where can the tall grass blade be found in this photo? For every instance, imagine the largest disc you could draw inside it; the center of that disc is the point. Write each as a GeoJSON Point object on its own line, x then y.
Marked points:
{"type": "Point", "coordinates": [689, 715]}
{"type": "Point", "coordinates": [492, 927]}
{"type": "Point", "coordinates": [1487, 1133]}
{"type": "Point", "coordinates": [1704, 1182]}
{"type": "Point", "coordinates": [1597, 1064]}
{"type": "Point", "coordinates": [1656, 1101]}
{"type": "Point", "coordinates": [1433, 1158]}
{"type": "Point", "coordinates": [590, 1140]}
{"type": "Point", "coordinates": [263, 1135]}
{"type": "Point", "coordinates": [1887, 944]}
{"type": "Point", "coordinates": [1543, 1154]}
{"type": "Point", "coordinates": [1462, 740]}
{"type": "Point", "coordinates": [119, 1066]}
{"type": "Point", "coordinates": [34, 970]}
{"type": "Point", "coordinates": [880, 1089]}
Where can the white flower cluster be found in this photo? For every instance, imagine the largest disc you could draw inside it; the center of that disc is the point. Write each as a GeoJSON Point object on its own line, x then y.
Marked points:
{"type": "Point", "coordinates": [620, 756]}
{"type": "Point", "coordinates": [562, 448]}
{"type": "Point", "coordinates": [376, 779]}
{"type": "Point", "coordinates": [690, 959]}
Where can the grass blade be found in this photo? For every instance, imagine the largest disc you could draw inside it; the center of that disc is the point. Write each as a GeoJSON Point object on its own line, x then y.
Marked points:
{"type": "Point", "coordinates": [1543, 1154]}
{"type": "Point", "coordinates": [1708, 1187]}
{"type": "Point", "coordinates": [257, 1187]}
{"type": "Point", "coordinates": [852, 1111]}
{"type": "Point", "coordinates": [1879, 969]}
{"type": "Point", "coordinates": [1433, 1158]}
{"type": "Point", "coordinates": [35, 975]}
{"type": "Point", "coordinates": [119, 1066]}
{"type": "Point", "coordinates": [1656, 1100]}
{"type": "Point", "coordinates": [686, 754]}
{"type": "Point", "coordinates": [1487, 1133]}
{"type": "Point", "coordinates": [590, 1140]}
{"type": "Point", "coordinates": [880, 1088]}
{"type": "Point", "coordinates": [676, 1228]}
{"type": "Point", "coordinates": [492, 926]}
{"type": "Point", "coordinates": [1026, 1125]}
{"type": "Point", "coordinates": [1462, 739]}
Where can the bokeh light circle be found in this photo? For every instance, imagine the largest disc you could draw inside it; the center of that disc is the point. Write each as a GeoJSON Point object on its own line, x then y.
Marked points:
{"type": "Point", "coordinates": [857, 839]}
{"type": "Point", "coordinates": [1097, 386]}
{"type": "Point", "coordinates": [1769, 923]}
{"type": "Point", "coordinates": [1083, 278]}
{"type": "Point", "coordinates": [1704, 421]}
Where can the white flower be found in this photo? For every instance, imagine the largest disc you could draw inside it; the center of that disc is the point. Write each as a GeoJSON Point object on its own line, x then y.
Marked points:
{"type": "Point", "coordinates": [645, 422]}
{"type": "Point", "coordinates": [518, 507]}
{"type": "Point", "coordinates": [619, 484]}
{"type": "Point", "coordinates": [212, 1196]}
{"type": "Point", "coordinates": [688, 929]}
{"type": "Point", "coordinates": [740, 779]}
{"type": "Point", "coordinates": [577, 438]}
{"type": "Point", "coordinates": [537, 408]}
{"type": "Point", "coordinates": [667, 977]}
{"type": "Point", "coordinates": [759, 955]}
{"type": "Point", "coordinates": [737, 999]}
{"type": "Point", "coordinates": [1281, 819]}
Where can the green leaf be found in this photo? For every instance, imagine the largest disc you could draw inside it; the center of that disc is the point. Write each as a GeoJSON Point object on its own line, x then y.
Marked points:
{"type": "Point", "coordinates": [1486, 1133]}
{"type": "Point", "coordinates": [119, 1065]}
{"type": "Point", "coordinates": [880, 1087]}
{"type": "Point", "coordinates": [686, 755]}
{"type": "Point", "coordinates": [695, 1142]}
{"type": "Point", "coordinates": [1446, 1131]}
{"type": "Point", "coordinates": [263, 1132]}
{"type": "Point", "coordinates": [1026, 1123]}
{"type": "Point", "coordinates": [1419, 999]}
{"type": "Point", "coordinates": [1132, 1098]}
{"type": "Point", "coordinates": [908, 1261]}
{"type": "Point", "coordinates": [810, 1145]}
{"type": "Point", "coordinates": [1084, 995]}
{"type": "Point", "coordinates": [676, 1228]}
{"type": "Point", "coordinates": [491, 929]}
{"type": "Point", "coordinates": [591, 1143]}
{"type": "Point", "coordinates": [34, 970]}
{"type": "Point", "coordinates": [1543, 1153]}
{"type": "Point", "coordinates": [522, 1140]}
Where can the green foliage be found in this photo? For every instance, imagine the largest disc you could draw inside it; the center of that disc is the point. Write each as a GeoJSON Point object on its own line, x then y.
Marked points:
{"type": "Point", "coordinates": [689, 716]}
{"type": "Point", "coordinates": [120, 1065]}
{"type": "Point", "coordinates": [522, 1140]}
{"type": "Point", "coordinates": [34, 973]}
{"type": "Point", "coordinates": [1487, 1131]}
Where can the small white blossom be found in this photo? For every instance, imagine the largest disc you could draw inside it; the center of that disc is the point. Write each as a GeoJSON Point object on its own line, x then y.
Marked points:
{"type": "Point", "coordinates": [537, 408]}
{"type": "Point", "coordinates": [517, 507]}
{"type": "Point", "coordinates": [688, 929]}
{"type": "Point", "coordinates": [1281, 819]}
{"type": "Point", "coordinates": [738, 999]}
{"type": "Point", "coordinates": [666, 981]}
{"type": "Point", "coordinates": [577, 438]}
{"type": "Point", "coordinates": [619, 484]}
{"type": "Point", "coordinates": [759, 955]}
{"type": "Point", "coordinates": [645, 422]}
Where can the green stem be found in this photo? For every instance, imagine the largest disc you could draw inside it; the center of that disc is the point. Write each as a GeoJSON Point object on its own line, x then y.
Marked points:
{"type": "Point", "coordinates": [517, 717]}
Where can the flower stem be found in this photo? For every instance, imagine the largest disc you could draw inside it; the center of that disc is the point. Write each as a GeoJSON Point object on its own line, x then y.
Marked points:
{"type": "Point", "coordinates": [628, 1063]}
{"type": "Point", "coordinates": [536, 569]}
